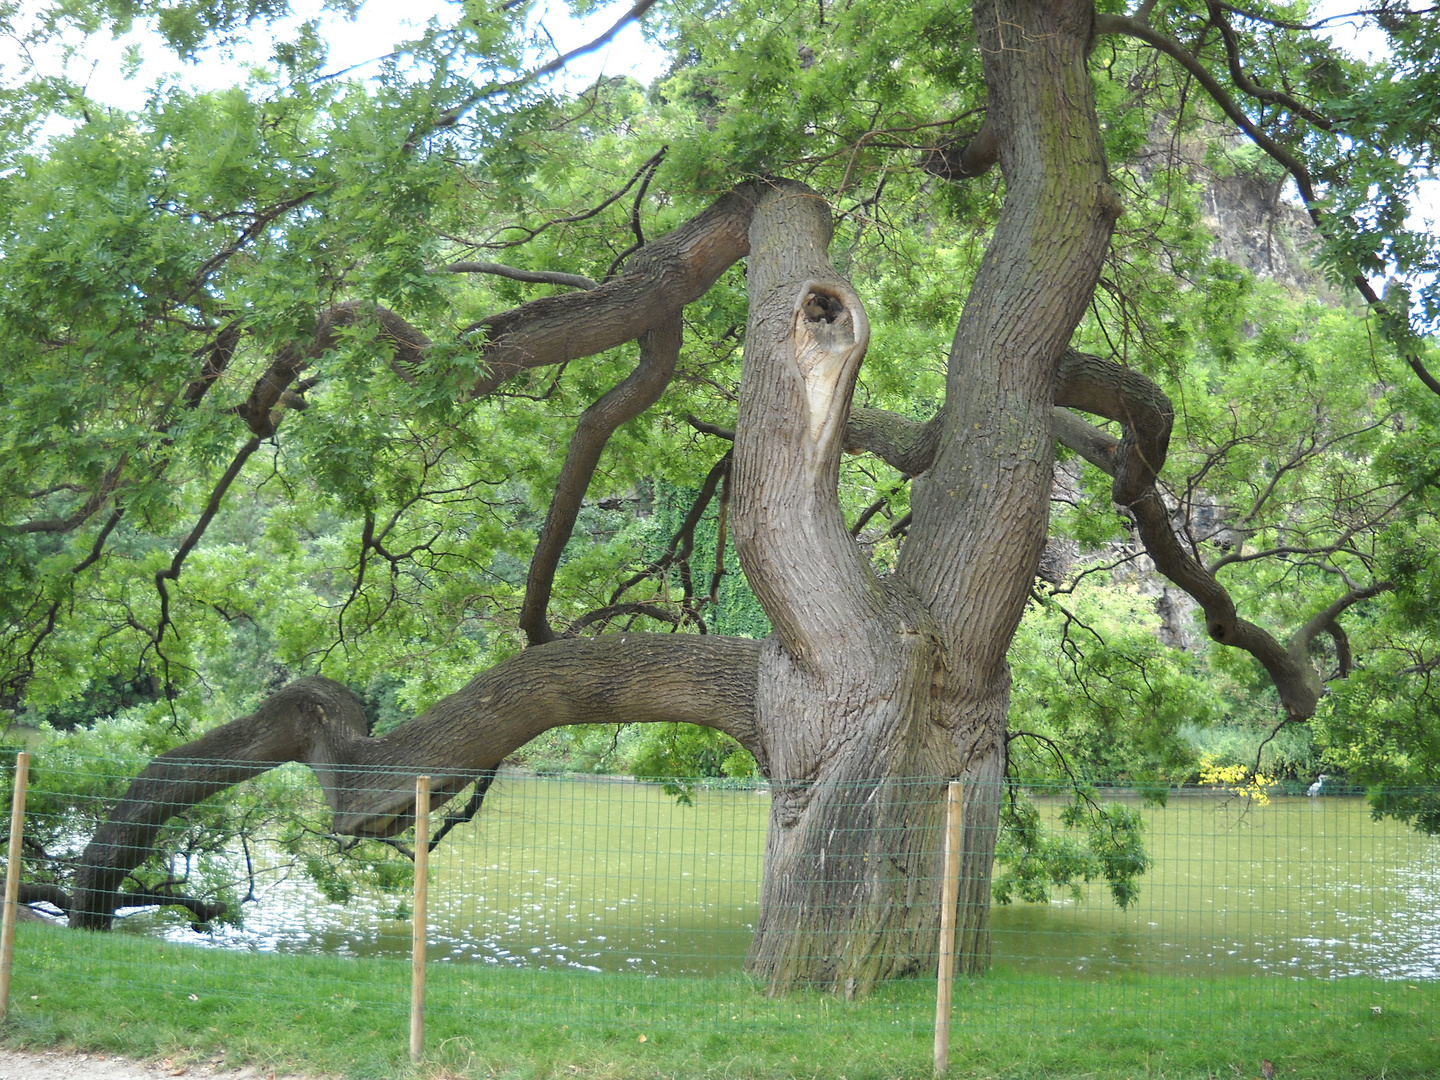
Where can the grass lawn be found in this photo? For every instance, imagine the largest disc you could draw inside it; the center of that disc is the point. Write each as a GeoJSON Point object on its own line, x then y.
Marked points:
{"type": "Point", "coordinates": [343, 1017]}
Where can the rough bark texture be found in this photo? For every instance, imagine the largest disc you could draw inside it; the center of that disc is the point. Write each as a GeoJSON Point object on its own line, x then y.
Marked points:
{"type": "Point", "coordinates": [981, 512]}
{"type": "Point", "coordinates": [849, 893]}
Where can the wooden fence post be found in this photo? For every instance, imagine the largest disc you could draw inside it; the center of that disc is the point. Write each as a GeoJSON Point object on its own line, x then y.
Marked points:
{"type": "Point", "coordinates": [418, 935]}
{"type": "Point", "coordinates": [949, 896]}
{"type": "Point", "coordinates": [12, 878]}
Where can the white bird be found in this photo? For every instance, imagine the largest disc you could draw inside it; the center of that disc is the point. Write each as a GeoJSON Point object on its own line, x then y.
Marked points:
{"type": "Point", "coordinates": [1314, 789]}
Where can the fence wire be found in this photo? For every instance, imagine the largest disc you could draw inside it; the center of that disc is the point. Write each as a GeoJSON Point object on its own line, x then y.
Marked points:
{"type": "Point", "coordinates": [600, 900]}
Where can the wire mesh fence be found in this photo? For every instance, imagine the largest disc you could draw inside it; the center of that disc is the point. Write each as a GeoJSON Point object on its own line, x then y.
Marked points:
{"type": "Point", "coordinates": [600, 900]}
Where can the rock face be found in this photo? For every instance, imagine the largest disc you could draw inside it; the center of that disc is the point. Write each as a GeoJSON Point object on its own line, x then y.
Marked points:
{"type": "Point", "coordinates": [1255, 227]}
{"type": "Point", "coordinates": [1254, 216]}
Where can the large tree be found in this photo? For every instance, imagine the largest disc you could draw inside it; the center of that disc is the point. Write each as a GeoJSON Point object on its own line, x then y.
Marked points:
{"type": "Point", "coordinates": [279, 262]}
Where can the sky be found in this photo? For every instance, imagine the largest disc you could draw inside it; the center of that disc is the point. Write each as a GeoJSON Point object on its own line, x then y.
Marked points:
{"type": "Point", "coordinates": [356, 44]}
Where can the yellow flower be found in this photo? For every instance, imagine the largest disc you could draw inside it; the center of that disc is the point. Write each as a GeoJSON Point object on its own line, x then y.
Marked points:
{"type": "Point", "coordinates": [1236, 779]}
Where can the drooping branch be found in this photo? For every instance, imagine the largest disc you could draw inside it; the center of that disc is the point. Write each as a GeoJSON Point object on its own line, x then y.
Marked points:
{"type": "Point", "coordinates": [1344, 660]}
{"type": "Point", "coordinates": [262, 412]}
{"type": "Point", "coordinates": [369, 782]}
{"type": "Point", "coordinates": [1121, 24]}
{"type": "Point", "coordinates": [722, 526]}
{"type": "Point", "coordinates": [1247, 85]}
{"type": "Point", "coordinates": [659, 351]}
{"type": "Point", "coordinates": [529, 234]}
{"type": "Point", "coordinates": [1145, 413]}
{"type": "Point", "coordinates": [635, 224]}
{"type": "Point", "coordinates": [212, 507]}
{"type": "Point", "coordinates": [204, 911]}
{"type": "Point", "coordinates": [1133, 461]}
{"type": "Point", "coordinates": [471, 808]}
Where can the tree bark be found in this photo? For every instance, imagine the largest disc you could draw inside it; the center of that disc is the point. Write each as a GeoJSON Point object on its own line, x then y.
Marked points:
{"type": "Point", "coordinates": [981, 512]}
{"type": "Point", "coordinates": [369, 783]}
{"type": "Point", "coordinates": [849, 893]}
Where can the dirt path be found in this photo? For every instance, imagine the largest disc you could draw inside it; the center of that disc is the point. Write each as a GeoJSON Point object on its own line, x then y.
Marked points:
{"type": "Point", "coordinates": [67, 1065]}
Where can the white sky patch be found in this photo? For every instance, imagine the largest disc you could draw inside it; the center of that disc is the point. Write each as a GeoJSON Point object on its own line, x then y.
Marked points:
{"type": "Point", "coordinates": [99, 63]}
{"type": "Point", "coordinates": [1363, 42]}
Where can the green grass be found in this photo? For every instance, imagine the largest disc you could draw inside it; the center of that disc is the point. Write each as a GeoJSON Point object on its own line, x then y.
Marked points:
{"type": "Point", "coordinates": [326, 1015]}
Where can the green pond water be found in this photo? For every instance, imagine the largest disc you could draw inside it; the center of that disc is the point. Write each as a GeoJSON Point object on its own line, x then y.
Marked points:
{"type": "Point", "coordinates": [614, 876]}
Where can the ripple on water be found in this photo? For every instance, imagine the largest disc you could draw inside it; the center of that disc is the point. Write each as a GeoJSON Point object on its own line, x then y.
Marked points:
{"type": "Point", "coordinates": [615, 877]}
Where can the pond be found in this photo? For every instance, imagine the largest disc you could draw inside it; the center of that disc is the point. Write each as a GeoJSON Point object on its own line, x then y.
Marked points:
{"type": "Point", "coordinates": [602, 874]}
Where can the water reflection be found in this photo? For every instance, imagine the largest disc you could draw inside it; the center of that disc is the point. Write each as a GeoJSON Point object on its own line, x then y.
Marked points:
{"type": "Point", "coordinates": [612, 876]}
{"type": "Point", "coordinates": [1308, 887]}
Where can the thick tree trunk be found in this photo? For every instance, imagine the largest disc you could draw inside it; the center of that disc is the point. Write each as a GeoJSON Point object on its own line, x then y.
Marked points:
{"type": "Point", "coordinates": [869, 686]}
{"type": "Point", "coordinates": [849, 893]}
{"type": "Point", "coordinates": [981, 511]}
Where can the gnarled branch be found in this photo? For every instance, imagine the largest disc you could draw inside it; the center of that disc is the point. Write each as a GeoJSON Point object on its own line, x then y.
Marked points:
{"type": "Point", "coordinates": [660, 279]}
{"type": "Point", "coordinates": [1134, 402]}
{"type": "Point", "coordinates": [1124, 395]}
{"type": "Point", "coordinates": [369, 782]}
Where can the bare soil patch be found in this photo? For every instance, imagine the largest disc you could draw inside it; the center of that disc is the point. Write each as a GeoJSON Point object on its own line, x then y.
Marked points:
{"type": "Point", "coordinates": [70, 1065]}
